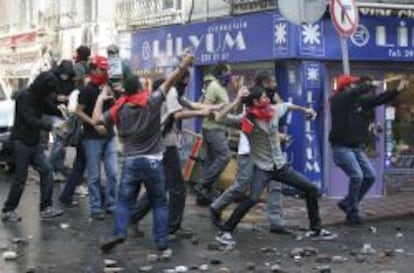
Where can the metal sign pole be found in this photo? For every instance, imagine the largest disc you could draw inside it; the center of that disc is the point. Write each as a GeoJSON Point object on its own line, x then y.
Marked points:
{"type": "Point", "coordinates": [345, 56]}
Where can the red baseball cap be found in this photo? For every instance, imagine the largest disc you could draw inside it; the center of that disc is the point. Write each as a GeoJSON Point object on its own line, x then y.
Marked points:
{"type": "Point", "coordinates": [344, 81]}
{"type": "Point", "coordinates": [100, 62]}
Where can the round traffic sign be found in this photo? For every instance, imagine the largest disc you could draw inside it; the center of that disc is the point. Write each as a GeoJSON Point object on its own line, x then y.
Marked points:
{"type": "Point", "coordinates": [345, 17]}
{"type": "Point", "coordinates": [302, 11]}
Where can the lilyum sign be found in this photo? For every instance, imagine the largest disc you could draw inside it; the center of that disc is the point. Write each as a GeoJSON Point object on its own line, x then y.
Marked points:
{"type": "Point", "coordinates": [225, 40]}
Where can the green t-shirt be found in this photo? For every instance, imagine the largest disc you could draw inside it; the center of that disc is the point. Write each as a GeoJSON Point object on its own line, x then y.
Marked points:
{"type": "Point", "coordinates": [216, 94]}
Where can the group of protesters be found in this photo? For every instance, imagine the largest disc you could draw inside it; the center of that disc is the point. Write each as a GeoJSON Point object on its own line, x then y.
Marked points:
{"type": "Point", "coordinates": [92, 102]}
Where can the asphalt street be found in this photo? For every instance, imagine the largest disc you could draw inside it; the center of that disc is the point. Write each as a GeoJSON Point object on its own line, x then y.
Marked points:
{"type": "Point", "coordinates": [71, 244]}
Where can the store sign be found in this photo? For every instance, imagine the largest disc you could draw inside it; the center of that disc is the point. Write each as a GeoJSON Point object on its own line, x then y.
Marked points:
{"type": "Point", "coordinates": [307, 148]}
{"type": "Point", "coordinates": [241, 6]}
{"type": "Point", "coordinates": [229, 40]}
{"type": "Point", "coordinates": [376, 38]}
{"type": "Point", "coordinates": [18, 65]}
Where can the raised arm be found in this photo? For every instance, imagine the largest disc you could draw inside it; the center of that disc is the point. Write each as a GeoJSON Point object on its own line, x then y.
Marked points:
{"type": "Point", "coordinates": [220, 115]}
{"type": "Point", "coordinates": [186, 62]}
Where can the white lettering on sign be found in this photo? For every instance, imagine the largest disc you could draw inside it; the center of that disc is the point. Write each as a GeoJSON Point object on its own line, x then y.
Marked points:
{"type": "Point", "coordinates": [399, 45]}
{"type": "Point", "coordinates": [400, 13]}
{"type": "Point", "coordinates": [311, 162]}
{"type": "Point", "coordinates": [215, 44]}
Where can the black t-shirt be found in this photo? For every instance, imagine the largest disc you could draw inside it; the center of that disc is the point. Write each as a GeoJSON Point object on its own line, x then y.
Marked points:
{"type": "Point", "coordinates": [87, 97]}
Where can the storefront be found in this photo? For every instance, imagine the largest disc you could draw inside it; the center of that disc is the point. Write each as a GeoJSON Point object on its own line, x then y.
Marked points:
{"type": "Point", "coordinates": [305, 60]}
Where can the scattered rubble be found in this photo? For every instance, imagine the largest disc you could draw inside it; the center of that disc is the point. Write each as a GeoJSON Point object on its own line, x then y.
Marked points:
{"type": "Point", "coordinates": [181, 269]}
{"type": "Point", "coordinates": [152, 258]}
{"type": "Point", "coordinates": [145, 268]}
{"type": "Point", "coordinates": [10, 255]}
{"type": "Point", "coordinates": [368, 249]}
{"type": "Point", "coordinates": [203, 267]}
{"type": "Point", "coordinates": [251, 266]}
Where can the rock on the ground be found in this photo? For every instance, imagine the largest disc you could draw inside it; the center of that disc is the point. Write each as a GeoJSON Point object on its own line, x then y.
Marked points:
{"type": "Point", "coordinates": [10, 255]}
{"type": "Point", "coordinates": [215, 262]}
{"type": "Point", "coordinates": [195, 240]}
{"type": "Point", "coordinates": [324, 269]}
{"type": "Point", "coordinates": [251, 266]}
{"type": "Point", "coordinates": [145, 268]}
{"type": "Point", "coordinates": [368, 249]}
{"type": "Point", "coordinates": [360, 258]}
{"type": "Point", "coordinates": [276, 268]}
{"type": "Point", "coordinates": [323, 259]}
{"type": "Point", "coordinates": [181, 269]}
{"type": "Point", "coordinates": [339, 259]}
{"type": "Point", "coordinates": [109, 262]}
{"type": "Point", "coordinates": [113, 269]}
{"type": "Point", "coordinates": [203, 267]}
{"type": "Point", "coordinates": [213, 246]}
{"type": "Point", "coordinates": [152, 258]}
{"type": "Point", "coordinates": [224, 270]}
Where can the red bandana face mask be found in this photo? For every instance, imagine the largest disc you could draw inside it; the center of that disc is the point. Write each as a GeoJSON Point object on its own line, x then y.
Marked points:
{"type": "Point", "coordinates": [99, 79]}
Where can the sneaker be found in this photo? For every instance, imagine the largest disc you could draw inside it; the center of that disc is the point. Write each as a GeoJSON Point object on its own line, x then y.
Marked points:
{"type": "Point", "coordinates": [203, 198]}
{"type": "Point", "coordinates": [280, 229]}
{"type": "Point", "coordinates": [70, 205]}
{"type": "Point", "coordinates": [50, 212]}
{"type": "Point", "coordinates": [215, 216]}
{"type": "Point", "coordinates": [165, 254]}
{"type": "Point", "coordinates": [58, 177]}
{"type": "Point", "coordinates": [321, 234]}
{"type": "Point", "coordinates": [81, 190]}
{"type": "Point", "coordinates": [342, 207]}
{"type": "Point", "coordinates": [11, 216]}
{"type": "Point", "coordinates": [99, 216]}
{"type": "Point", "coordinates": [111, 242]}
{"type": "Point", "coordinates": [225, 238]}
{"type": "Point", "coordinates": [354, 220]}
{"type": "Point", "coordinates": [138, 232]}
{"type": "Point", "coordinates": [183, 233]}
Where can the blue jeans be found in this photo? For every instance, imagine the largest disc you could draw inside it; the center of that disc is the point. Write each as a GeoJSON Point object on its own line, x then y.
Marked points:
{"type": "Point", "coordinates": [75, 176]}
{"type": "Point", "coordinates": [96, 150]}
{"type": "Point", "coordinates": [136, 170]}
{"type": "Point", "coordinates": [357, 166]}
{"type": "Point", "coordinates": [174, 186]}
{"type": "Point", "coordinates": [244, 175]}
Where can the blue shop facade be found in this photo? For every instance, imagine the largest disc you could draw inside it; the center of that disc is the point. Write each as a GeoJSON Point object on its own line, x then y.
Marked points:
{"type": "Point", "coordinates": [305, 60]}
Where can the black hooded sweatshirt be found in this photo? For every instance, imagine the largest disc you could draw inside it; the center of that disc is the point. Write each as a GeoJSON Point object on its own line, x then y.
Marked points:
{"type": "Point", "coordinates": [31, 103]}
{"type": "Point", "coordinates": [350, 114]}
{"type": "Point", "coordinates": [64, 87]}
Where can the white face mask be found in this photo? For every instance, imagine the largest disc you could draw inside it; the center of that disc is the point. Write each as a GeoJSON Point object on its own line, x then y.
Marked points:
{"type": "Point", "coordinates": [64, 77]}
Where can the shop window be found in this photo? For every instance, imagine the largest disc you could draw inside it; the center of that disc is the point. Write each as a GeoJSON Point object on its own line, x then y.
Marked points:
{"type": "Point", "coordinates": [401, 137]}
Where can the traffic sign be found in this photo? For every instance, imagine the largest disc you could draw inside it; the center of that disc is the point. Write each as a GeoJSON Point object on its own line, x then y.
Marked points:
{"type": "Point", "coordinates": [302, 11]}
{"type": "Point", "coordinates": [345, 17]}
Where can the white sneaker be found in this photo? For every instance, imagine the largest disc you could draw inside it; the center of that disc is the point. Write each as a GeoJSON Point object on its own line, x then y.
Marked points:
{"type": "Point", "coordinates": [82, 190]}
{"type": "Point", "coordinates": [166, 254]}
{"type": "Point", "coordinates": [225, 238]}
{"type": "Point", "coordinates": [323, 234]}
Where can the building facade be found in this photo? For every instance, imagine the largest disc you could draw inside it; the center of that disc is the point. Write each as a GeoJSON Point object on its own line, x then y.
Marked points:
{"type": "Point", "coordinates": [305, 60]}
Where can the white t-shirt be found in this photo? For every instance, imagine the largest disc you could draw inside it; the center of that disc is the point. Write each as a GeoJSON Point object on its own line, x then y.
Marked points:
{"type": "Point", "coordinates": [170, 106]}
{"type": "Point", "coordinates": [244, 146]}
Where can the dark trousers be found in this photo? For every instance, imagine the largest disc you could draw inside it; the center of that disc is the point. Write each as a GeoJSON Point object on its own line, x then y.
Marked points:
{"type": "Point", "coordinates": [75, 176]}
{"type": "Point", "coordinates": [284, 175]}
{"type": "Point", "coordinates": [34, 155]}
{"type": "Point", "coordinates": [175, 188]}
{"type": "Point", "coordinates": [217, 157]}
